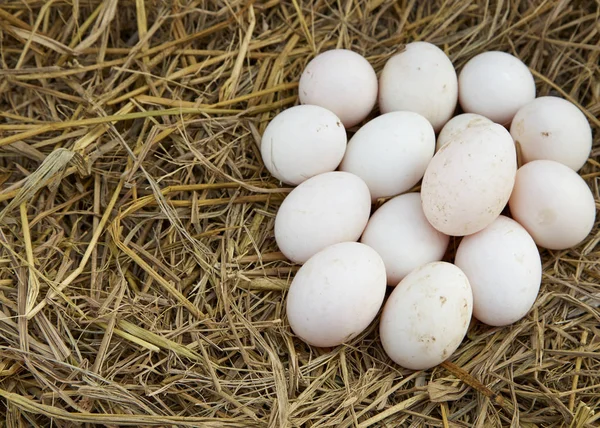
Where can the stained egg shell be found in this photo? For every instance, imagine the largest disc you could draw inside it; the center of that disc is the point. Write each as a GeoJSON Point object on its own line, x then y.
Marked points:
{"type": "Point", "coordinates": [504, 269]}
{"type": "Point", "coordinates": [403, 237]}
{"type": "Point", "coordinates": [336, 294]}
{"type": "Point", "coordinates": [391, 152]}
{"type": "Point", "coordinates": [495, 85]}
{"type": "Point", "coordinates": [469, 180]}
{"type": "Point", "coordinates": [458, 124]}
{"type": "Point", "coordinates": [341, 81]}
{"type": "Point", "coordinates": [421, 79]}
{"type": "Point", "coordinates": [301, 142]}
{"type": "Point", "coordinates": [553, 203]}
{"type": "Point", "coordinates": [324, 210]}
{"type": "Point", "coordinates": [553, 129]}
{"type": "Point", "coordinates": [427, 316]}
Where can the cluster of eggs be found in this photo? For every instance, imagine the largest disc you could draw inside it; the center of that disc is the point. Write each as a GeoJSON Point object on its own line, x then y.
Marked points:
{"type": "Point", "coordinates": [469, 175]}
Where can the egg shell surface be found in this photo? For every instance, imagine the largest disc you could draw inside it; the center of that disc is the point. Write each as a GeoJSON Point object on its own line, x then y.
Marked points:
{"type": "Point", "coordinates": [458, 124]}
{"type": "Point", "coordinates": [403, 237]}
{"type": "Point", "coordinates": [301, 142]}
{"type": "Point", "coordinates": [342, 81]}
{"type": "Point", "coordinates": [469, 180]}
{"type": "Point", "coordinates": [421, 79]}
{"type": "Point", "coordinates": [554, 129]}
{"type": "Point", "coordinates": [391, 152]}
{"type": "Point", "coordinates": [553, 203]}
{"type": "Point", "coordinates": [336, 294]}
{"type": "Point", "coordinates": [495, 85]}
{"type": "Point", "coordinates": [324, 210]}
{"type": "Point", "coordinates": [427, 316]}
{"type": "Point", "coordinates": [504, 269]}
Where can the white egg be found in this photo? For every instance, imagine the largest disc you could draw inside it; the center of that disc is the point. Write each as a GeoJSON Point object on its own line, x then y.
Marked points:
{"type": "Point", "coordinates": [458, 124]}
{"type": "Point", "coordinates": [301, 142]}
{"type": "Point", "coordinates": [504, 269]}
{"type": "Point", "coordinates": [554, 129]}
{"type": "Point", "coordinates": [341, 81]}
{"type": "Point", "coordinates": [495, 85]}
{"type": "Point", "coordinates": [391, 152]}
{"type": "Point", "coordinates": [422, 79]}
{"type": "Point", "coordinates": [336, 294]}
{"type": "Point", "coordinates": [403, 237]}
{"type": "Point", "coordinates": [469, 180]}
{"type": "Point", "coordinates": [427, 316]}
{"type": "Point", "coordinates": [324, 210]}
{"type": "Point", "coordinates": [553, 203]}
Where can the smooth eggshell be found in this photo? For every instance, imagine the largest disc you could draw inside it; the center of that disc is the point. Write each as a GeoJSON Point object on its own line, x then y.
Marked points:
{"type": "Point", "coordinates": [422, 79]}
{"type": "Point", "coordinates": [504, 269]}
{"type": "Point", "coordinates": [553, 203]}
{"type": "Point", "coordinates": [469, 180]}
{"type": "Point", "coordinates": [391, 152]}
{"type": "Point", "coordinates": [341, 81]}
{"type": "Point", "coordinates": [553, 129]}
{"type": "Point", "coordinates": [495, 85]}
{"type": "Point", "coordinates": [336, 294]}
{"type": "Point", "coordinates": [324, 210]}
{"type": "Point", "coordinates": [458, 124]}
{"type": "Point", "coordinates": [301, 142]}
{"type": "Point", "coordinates": [427, 316]}
{"type": "Point", "coordinates": [403, 237]}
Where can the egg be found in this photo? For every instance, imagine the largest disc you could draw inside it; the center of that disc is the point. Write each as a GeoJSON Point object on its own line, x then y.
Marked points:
{"type": "Point", "coordinates": [391, 152]}
{"type": "Point", "coordinates": [324, 210]}
{"type": "Point", "coordinates": [341, 81]}
{"type": "Point", "coordinates": [553, 203]}
{"type": "Point", "coordinates": [301, 142]}
{"type": "Point", "coordinates": [495, 85]}
{"type": "Point", "coordinates": [336, 294]}
{"type": "Point", "coordinates": [554, 129]}
{"type": "Point", "coordinates": [469, 180]}
{"type": "Point", "coordinates": [403, 237]}
{"type": "Point", "coordinates": [458, 124]}
{"type": "Point", "coordinates": [504, 269]}
{"type": "Point", "coordinates": [421, 79]}
{"type": "Point", "coordinates": [427, 316]}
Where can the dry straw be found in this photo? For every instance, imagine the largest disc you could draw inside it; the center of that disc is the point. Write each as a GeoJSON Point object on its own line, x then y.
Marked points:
{"type": "Point", "coordinates": [139, 280]}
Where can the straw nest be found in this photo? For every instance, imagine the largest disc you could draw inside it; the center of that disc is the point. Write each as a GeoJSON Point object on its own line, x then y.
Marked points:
{"type": "Point", "coordinates": [139, 279]}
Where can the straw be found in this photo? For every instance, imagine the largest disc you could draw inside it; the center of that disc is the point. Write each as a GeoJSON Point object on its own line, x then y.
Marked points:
{"type": "Point", "coordinates": [140, 283]}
